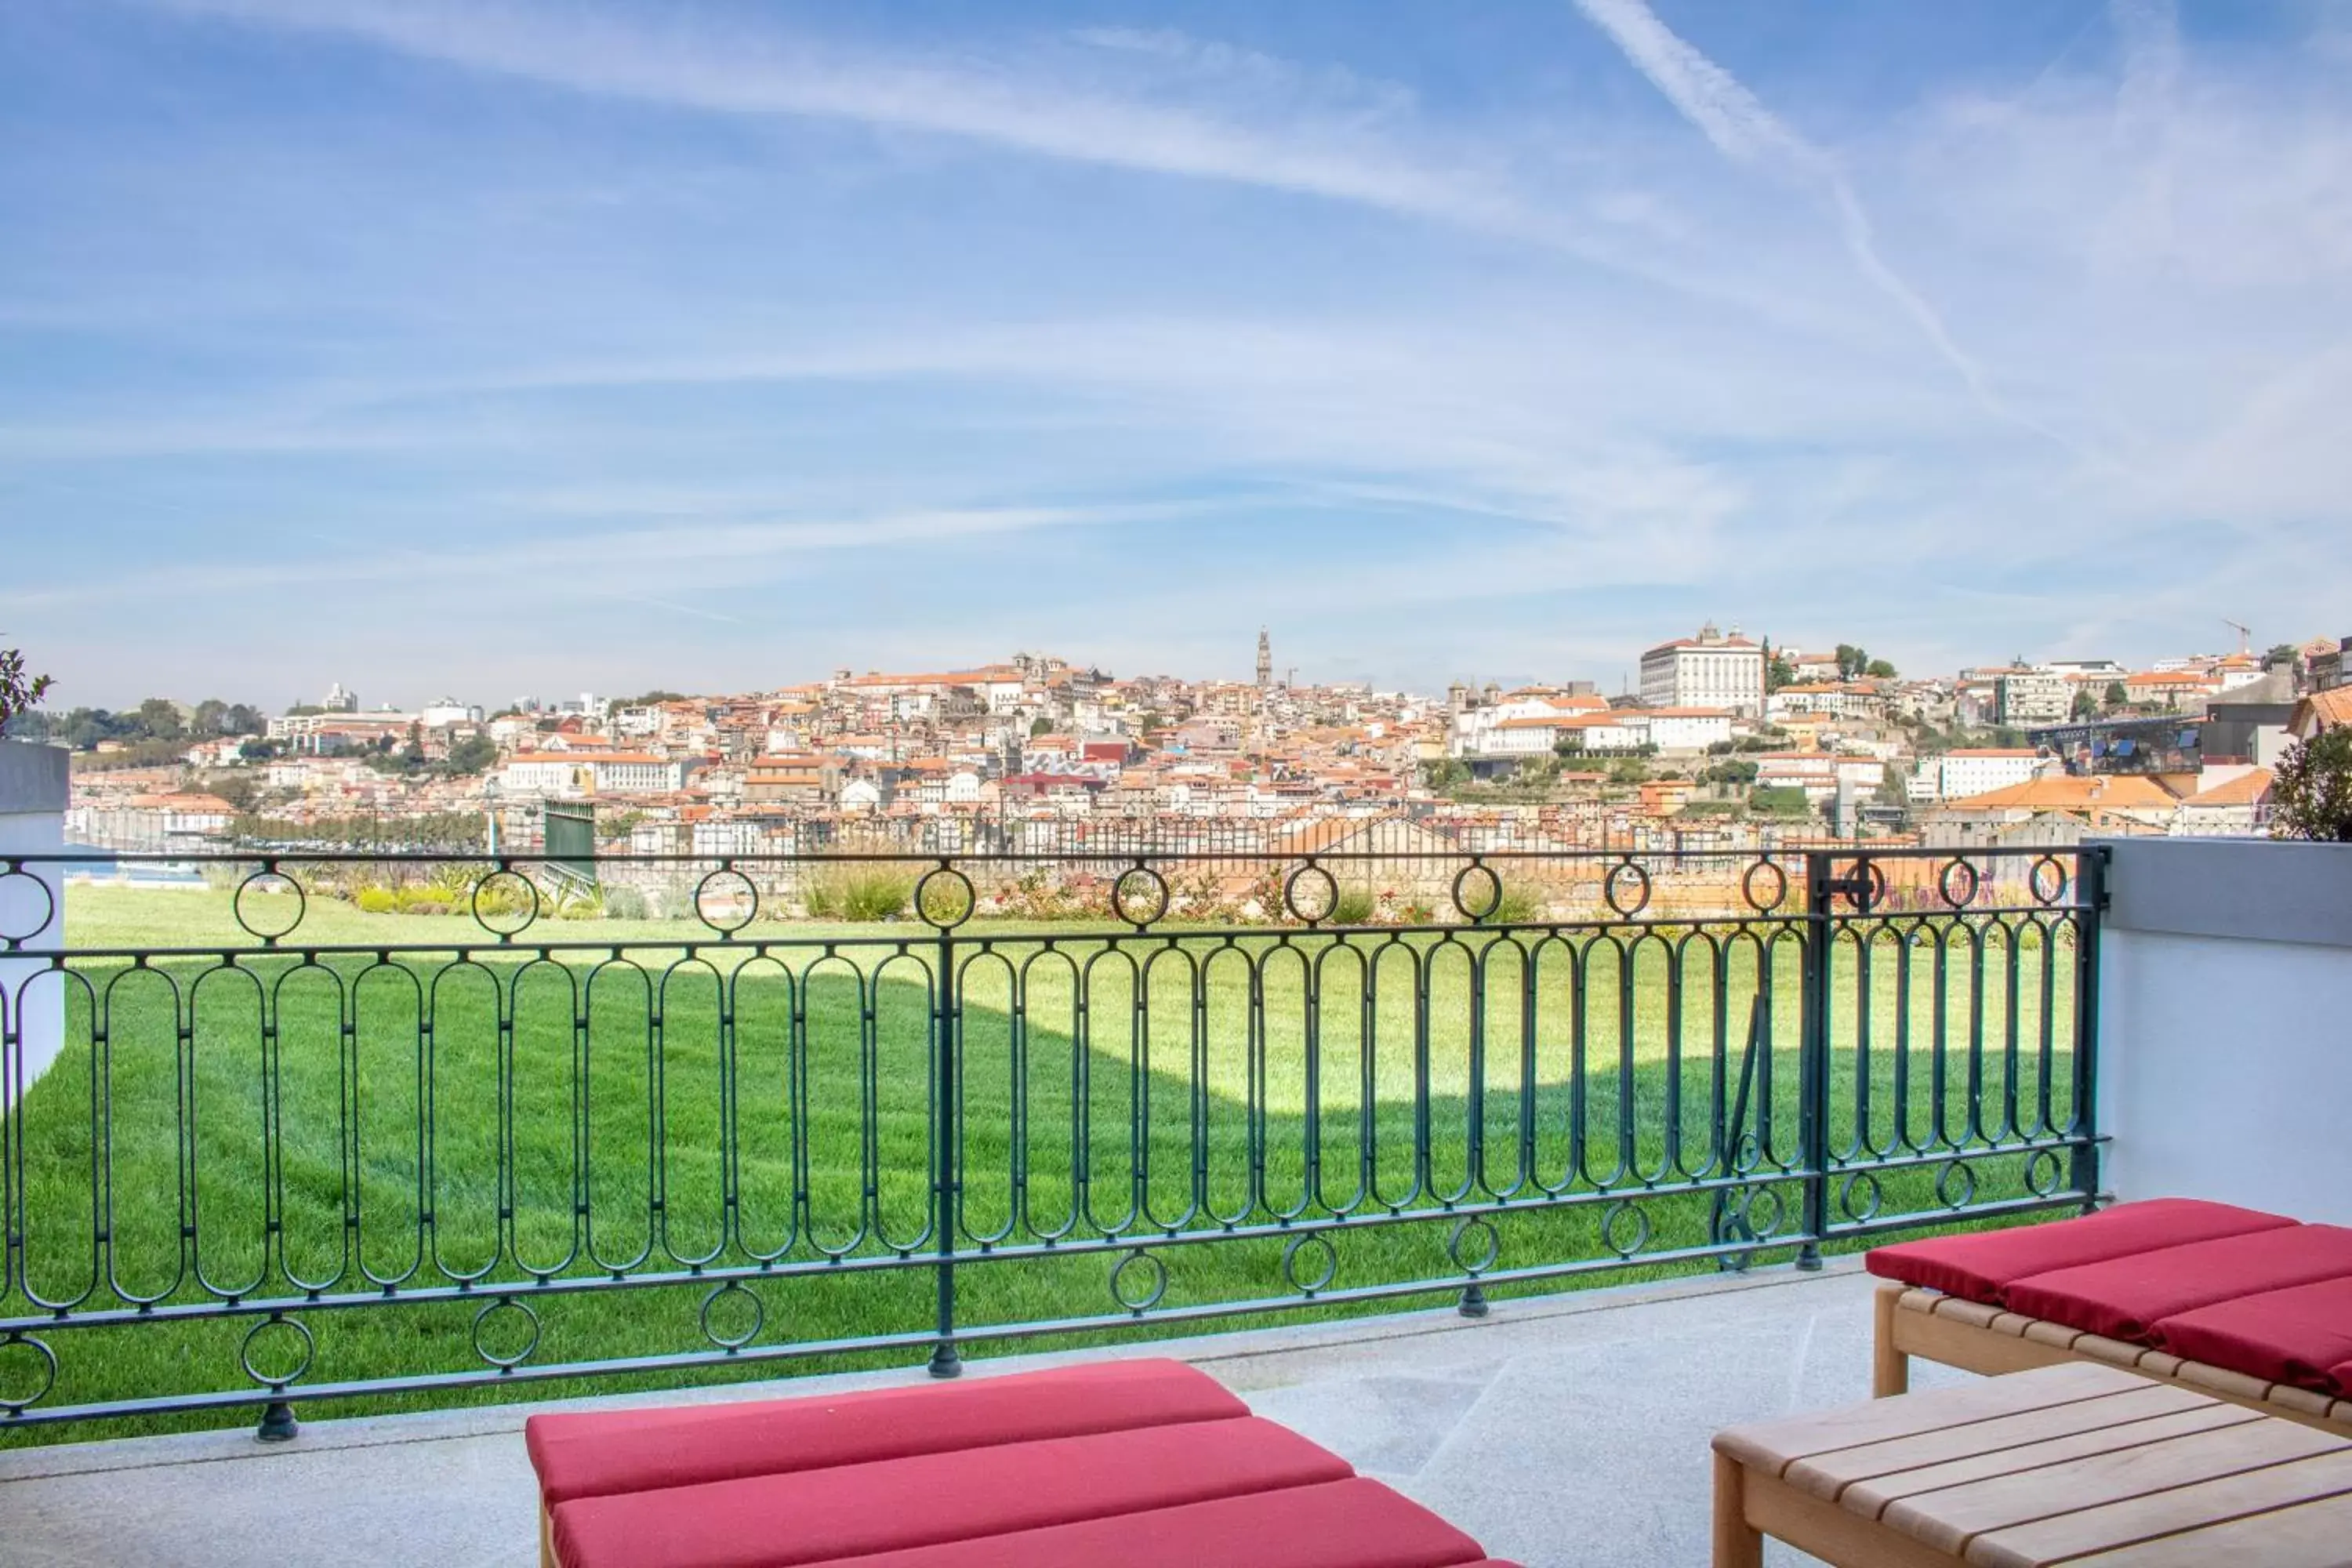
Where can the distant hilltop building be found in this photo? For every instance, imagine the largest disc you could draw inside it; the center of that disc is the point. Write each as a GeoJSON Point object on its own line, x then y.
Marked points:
{"type": "Point", "coordinates": [1265, 660]}
{"type": "Point", "coordinates": [339, 700]}
{"type": "Point", "coordinates": [1709, 671]}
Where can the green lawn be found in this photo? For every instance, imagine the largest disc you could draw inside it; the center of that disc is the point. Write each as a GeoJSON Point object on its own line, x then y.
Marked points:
{"type": "Point", "coordinates": [1179, 1083]}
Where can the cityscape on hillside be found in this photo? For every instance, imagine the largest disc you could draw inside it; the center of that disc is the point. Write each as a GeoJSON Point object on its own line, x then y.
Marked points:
{"type": "Point", "coordinates": [1731, 738]}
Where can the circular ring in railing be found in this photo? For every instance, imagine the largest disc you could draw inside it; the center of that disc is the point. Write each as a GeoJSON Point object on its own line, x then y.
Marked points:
{"type": "Point", "coordinates": [1326, 1265]}
{"type": "Point", "coordinates": [1968, 878]}
{"type": "Point", "coordinates": [1474, 1261]}
{"type": "Point", "coordinates": [1747, 1153]}
{"type": "Point", "coordinates": [262, 881]}
{"type": "Point", "coordinates": [736, 893]}
{"type": "Point", "coordinates": [1310, 894]}
{"type": "Point", "coordinates": [1967, 1184]}
{"type": "Point", "coordinates": [10, 1400]}
{"type": "Point", "coordinates": [13, 934]}
{"type": "Point", "coordinates": [1153, 1281]}
{"type": "Point", "coordinates": [1750, 1198]}
{"type": "Point", "coordinates": [302, 1348]}
{"type": "Point", "coordinates": [1780, 886]}
{"type": "Point", "coordinates": [483, 1333]}
{"type": "Point", "coordinates": [2041, 1180]}
{"type": "Point", "coordinates": [1477, 891]}
{"type": "Point", "coordinates": [735, 1341]}
{"type": "Point", "coordinates": [518, 907]}
{"type": "Point", "coordinates": [1608, 1228]}
{"type": "Point", "coordinates": [2047, 881]}
{"type": "Point", "coordinates": [1140, 896]}
{"type": "Point", "coordinates": [945, 898]}
{"type": "Point", "coordinates": [1860, 1181]}
{"type": "Point", "coordinates": [1870, 894]}
{"type": "Point", "coordinates": [1611, 890]}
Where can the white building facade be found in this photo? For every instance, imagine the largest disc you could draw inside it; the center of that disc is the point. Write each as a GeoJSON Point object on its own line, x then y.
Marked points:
{"type": "Point", "coordinates": [1709, 671]}
{"type": "Point", "coordinates": [1959, 774]}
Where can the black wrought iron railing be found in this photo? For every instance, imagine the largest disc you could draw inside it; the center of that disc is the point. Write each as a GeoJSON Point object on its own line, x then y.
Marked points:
{"type": "Point", "coordinates": [332, 1125]}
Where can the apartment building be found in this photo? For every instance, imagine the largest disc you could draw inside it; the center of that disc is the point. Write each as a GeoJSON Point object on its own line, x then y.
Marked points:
{"type": "Point", "coordinates": [2037, 696]}
{"type": "Point", "coordinates": [1710, 670]}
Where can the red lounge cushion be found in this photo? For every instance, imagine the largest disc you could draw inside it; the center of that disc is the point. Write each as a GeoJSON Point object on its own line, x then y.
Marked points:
{"type": "Point", "coordinates": [772, 1521]}
{"type": "Point", "coordinates": [1344, 1524]}
{"type": "Point", "coordinates": [1979, 1265]}
{"type": "Point", "coordinates": [2294, 1335]}
{"type": "Point", "coordinates": [597, 1453]}
{"type": "Point", "coordinates": [2339, 1379]}
{"type": "Point", "coordinates": [2125, 1297]}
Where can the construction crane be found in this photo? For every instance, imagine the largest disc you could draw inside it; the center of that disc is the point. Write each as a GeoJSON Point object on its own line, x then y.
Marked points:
{"type": "Point", "coordinates": [2245, 634]}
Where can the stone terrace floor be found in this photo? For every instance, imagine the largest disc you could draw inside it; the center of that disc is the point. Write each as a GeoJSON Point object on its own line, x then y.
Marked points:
{"type": "Point", "coordinates": [1562, 1432]}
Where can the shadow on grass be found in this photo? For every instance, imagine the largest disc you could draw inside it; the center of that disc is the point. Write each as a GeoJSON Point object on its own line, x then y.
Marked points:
{"type": "Point", "coordinates": [279, 1130]}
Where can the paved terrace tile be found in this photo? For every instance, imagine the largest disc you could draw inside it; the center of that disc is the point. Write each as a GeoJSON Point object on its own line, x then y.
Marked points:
{"type": "Point", "coordinates": [1570, 1431]}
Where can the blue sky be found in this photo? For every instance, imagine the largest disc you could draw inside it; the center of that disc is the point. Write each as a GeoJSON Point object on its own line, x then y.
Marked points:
{"type": "Point", "coordinates": [509, 346]}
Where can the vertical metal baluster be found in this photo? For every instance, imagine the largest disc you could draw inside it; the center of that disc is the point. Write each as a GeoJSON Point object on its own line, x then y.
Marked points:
{"type": "Point", "coordinates": [1901, 1141]}
{"type": "Point", "coordinates": [2091, 896]}
{"type": "Point", "coordinates": [1813, 1060]}
{"type": "Point", "coordinates": [502, 997]}
{"type": "Point", "coordinates": [278, 1423]}
{"type": "Point", "coordinates": [1474, 1167]}
{"type": "Point", "coordinates": [1580, 975]}
{"type": "Point", "coordinates": [1528, 1067]}
{"type": "Point", "coordinates": [2012, 1049]}
{"type": "Point", "coordinates": [945, 1098]}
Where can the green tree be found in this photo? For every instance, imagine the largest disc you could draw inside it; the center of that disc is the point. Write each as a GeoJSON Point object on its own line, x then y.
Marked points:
{"type": "Point", "coordinates": [1779, 673]}
{"type": "Point", "coordinates": [1442, 773]}
{"type": "Point", "coordinates": [18, 691]}
{"type": "Point", "coordinates": [2116, 697]}
{"type": "Point", "coordinates": [1041, 726]}
{"type": "Point", "coordinates": [2285, 656]}
{"type": "Point", "coordinates": [1779, 800]}
{"type": "Point", "coordinates": [159, 719]}
{"type": "Point", "coordinates": [210, 719]}
{"type": "Point", "coordinates": [1879, 670]}
{"type": "Point", "coordinates": [239, 789]}
{"type": "Point", "coordinates": [2085, 705]}
{"type": "Point", "coordinates": [1851, 661]}
{"type": "Point", "coordinates": [243, 719]}
{"type": "Point", "coordinates": [2311, 788]}
{"type": "Point", "coordinates": [470, 755]}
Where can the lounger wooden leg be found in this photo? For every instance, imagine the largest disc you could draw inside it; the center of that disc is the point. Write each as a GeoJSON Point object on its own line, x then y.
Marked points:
{"type": "Point", "coordinates": [547, 1539]}
{"type": "Point", "coordinates": [1736, 1542]}
{"type": "Point", "coordinates": [1890, 1367]}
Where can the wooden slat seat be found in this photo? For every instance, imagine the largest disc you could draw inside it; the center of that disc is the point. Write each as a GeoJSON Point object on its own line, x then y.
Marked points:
{"type": "Point", "coordinates": [2079, 1463]}
{"type": "Point", "coordinates": [1978, 1338]}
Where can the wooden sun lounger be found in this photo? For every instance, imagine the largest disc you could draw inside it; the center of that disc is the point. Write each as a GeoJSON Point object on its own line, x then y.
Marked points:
{"type": "Point", "coordinates": [1982, 1339]}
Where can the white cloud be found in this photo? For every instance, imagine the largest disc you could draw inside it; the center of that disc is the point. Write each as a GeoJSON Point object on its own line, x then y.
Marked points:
{"type": "Point", "coordinates": [2151, 239]}
{"type": "Point", "coordinates": [1740, 126]}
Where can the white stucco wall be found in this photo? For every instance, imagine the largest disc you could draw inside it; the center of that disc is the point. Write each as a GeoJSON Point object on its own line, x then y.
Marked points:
{"type": "Point", "coordinates": [2225, 1062]}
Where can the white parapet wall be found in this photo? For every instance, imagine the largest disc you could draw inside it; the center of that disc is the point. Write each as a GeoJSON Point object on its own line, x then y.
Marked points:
{"type": "Point", "coordinates": [2225, 1023]}
{"type": "Point", "coordinates": [33, 788]}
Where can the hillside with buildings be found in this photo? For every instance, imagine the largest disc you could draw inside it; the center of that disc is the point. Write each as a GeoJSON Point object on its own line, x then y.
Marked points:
{"type": "Point", "coordinates": [1726, 741]}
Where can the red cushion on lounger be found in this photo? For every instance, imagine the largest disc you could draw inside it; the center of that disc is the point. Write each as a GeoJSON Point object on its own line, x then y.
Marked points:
{"type": "Point", "coordinates": [774, 1521]}
{"type": "Point", "coordinates": [1344, 1524]}
{"type": "Point", "coordinates": [1979, 1265]}
{"type": "Point", "coordinates": [2339, 1381]}
{"type": "Point", "coordinates": [597, 1453]}
{"type": "Point", "coordinates": [2125, 1297]}
{"type": "Point", "coordinates": [2280, 1336]}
